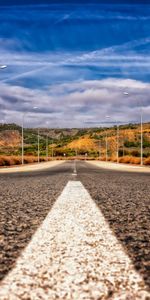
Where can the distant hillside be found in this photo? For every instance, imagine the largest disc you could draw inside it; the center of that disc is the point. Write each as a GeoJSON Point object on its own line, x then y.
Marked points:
{"type": "Point", "coordinates": [77, 140]}
{"type": "Point", "coordinates": [83, 143]}
{"type": "Point", "coordinates": [11, 138]}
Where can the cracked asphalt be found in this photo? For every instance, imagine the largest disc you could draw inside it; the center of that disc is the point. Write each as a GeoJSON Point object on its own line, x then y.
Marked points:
{"type": "Point", "coordinates": [123, 198]}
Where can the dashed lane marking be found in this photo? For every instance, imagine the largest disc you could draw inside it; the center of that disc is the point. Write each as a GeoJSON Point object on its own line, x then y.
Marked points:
{"type": "Point", "coordinates": [74, 255]}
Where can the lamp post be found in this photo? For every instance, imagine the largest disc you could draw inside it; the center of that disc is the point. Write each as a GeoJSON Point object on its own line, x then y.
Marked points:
{"type": "Point", "coordinates": [1, 68]}
{"type": "Point", "coordinates": [141, 137]}
{"type": "Point", "coordinates": [22, 140]}
{"type": "Point", "coordinates": [22, 136]}
{"type": "Point", "coordinates": [47, 147]}
{"type": "Point", "coordinates": [106, 146]}
{"type": "Point", "coordinates": [141, 130]}
{"type": "Point", "coordinates": [52, 149]}
{"type": "Point", "coordinates": [117, 143]}
{"type": "Point", "coordinates": [38, 145]}
{"type": "Point", "coordinates": [117, 150]}
{"type": "Point", "coordinates": [99, 150]}
{"type": "Point", "coordinates": [47, 144]}
{"type": "Point", "coordinates": [107, 117]}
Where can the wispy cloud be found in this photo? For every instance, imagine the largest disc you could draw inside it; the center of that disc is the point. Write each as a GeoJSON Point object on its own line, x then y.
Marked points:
{"type": "Point", "coordinates": [74, 62]}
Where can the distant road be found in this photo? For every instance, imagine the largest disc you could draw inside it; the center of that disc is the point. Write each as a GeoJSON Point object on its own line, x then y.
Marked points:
{"type": "Point", "coordinates": [118, 223]}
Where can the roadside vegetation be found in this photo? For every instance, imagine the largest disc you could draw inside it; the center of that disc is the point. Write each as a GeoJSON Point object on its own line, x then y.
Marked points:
{"type": "Point", "coordinates": [89, 143]}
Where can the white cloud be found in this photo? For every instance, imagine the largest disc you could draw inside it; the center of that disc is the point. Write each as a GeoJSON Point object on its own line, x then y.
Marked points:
{"type": "Point", "coordinates": [73, 104]}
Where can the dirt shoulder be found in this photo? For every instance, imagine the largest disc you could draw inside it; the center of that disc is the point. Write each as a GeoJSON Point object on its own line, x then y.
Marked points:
{"type": "Point", "coordinates": [31, 167]}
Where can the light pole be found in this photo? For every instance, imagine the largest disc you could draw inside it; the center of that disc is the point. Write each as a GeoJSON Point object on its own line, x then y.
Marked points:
{"type": "Point", "coordinates": [47, 144]}
{"type": "Point", "coordinates": [117, 143]}
{"type": "Point", "coordinates": [106, 146]}
{"type": "Point", "coordinates": [107, 117]}
{"type": "Point", "coordinates": [117, 151]}
{"type": "Point", "coordinates": [1, 68]}
{"type": "Point", "coordinates": [99, 150]}
{"type": "Point", "coordinates": [22, 140]}
{"type": "Point", "coordinates": [52, 149]}
{"type": "Point", "coordinates": [141, 137]}
{"type": "Point", "coordinates": [22, 136]}
{"type": "Point", "coordinates": [38, 146]}
{"type": "Point", "coordinates": [47, 147]}
{"type": "Point", "coordinates": [141, 130]}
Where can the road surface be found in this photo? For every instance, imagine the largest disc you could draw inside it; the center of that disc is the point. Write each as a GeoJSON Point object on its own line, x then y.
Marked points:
{"type": "Point", "coordinates": [85, 230]}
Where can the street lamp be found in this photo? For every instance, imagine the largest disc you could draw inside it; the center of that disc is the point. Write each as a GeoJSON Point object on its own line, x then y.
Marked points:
{"type": "Point", "coordinates": [117, 151]}
{"type": "Point", "coordinates": [107, 117]}
{"type": "Point", "coordinates": [47, 147]}
{"type": "Point", "coordinates": [141, 137]}
{"type": "Point", "coordinates": [22, 140]}
{"type": "Point", "coordinates": [117, 143]}
{"type": "Point", "coordinates": [99, 150]}
{"type": "Point", "coordinates": [3, 67]}
{"type": "Point", "coordinates": [47, 143]}
{"type": "Point", "coordinates": [52, 149]}
{"type": "Point", "coordinates": [141, 121]}
{"type": "Point", "coordinates": [38, 146]}
{"type": "Point", "coordinates": [22, 136]}
{"type": "Point", "coordinates": [36, 107]}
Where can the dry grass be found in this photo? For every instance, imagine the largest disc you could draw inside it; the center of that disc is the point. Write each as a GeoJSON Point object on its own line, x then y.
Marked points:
{"type": "Point", "coordinates": [129, 160]}
{"type": "Point", "coordinates": [113, 158]}
{"type": "Point", "coordinates": [147, 161]}
{"type": "Point", "coordinates": [16, 160]}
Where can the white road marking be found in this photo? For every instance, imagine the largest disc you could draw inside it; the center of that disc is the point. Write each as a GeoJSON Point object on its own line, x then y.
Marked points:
{"type": "Point", "coordinates": [74, 255]}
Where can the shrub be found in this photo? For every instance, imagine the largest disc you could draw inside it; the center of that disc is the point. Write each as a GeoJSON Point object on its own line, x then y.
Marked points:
{"type": "Point", "coordinates": [135, 160]}
{"type": "Point", "coordinates": [135, 153]}
{"type": "Point", "coordinates": [2, 161]}
{"type": "Point", "coordinates": [129, 160]}
{"type": "Point", "coordinates": [16, 160]}
{"type": "Point", "coordinates": [103, 158]}
{"type": "Point", "coordinates": [28, 159]}
{"type": "Point", "coordinates": [129, 144]}
{"type": "Point", "coordinates": [147, 161]}
{"type": "Point", "coordinates": [113, 158]}
{"type": "Point", "coordinates": [125, 159]}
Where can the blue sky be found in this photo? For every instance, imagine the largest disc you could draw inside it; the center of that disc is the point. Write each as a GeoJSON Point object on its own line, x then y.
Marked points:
{"type": "Point", "coordinates": [74, 61]}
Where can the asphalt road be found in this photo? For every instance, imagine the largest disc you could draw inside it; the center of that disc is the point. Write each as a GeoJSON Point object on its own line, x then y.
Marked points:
{"type": "Point", "coordinates": [26, 198]}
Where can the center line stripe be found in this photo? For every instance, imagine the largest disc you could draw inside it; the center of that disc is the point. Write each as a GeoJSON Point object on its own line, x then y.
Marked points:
{"type": "Point", "coordinates": [73, 256]}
